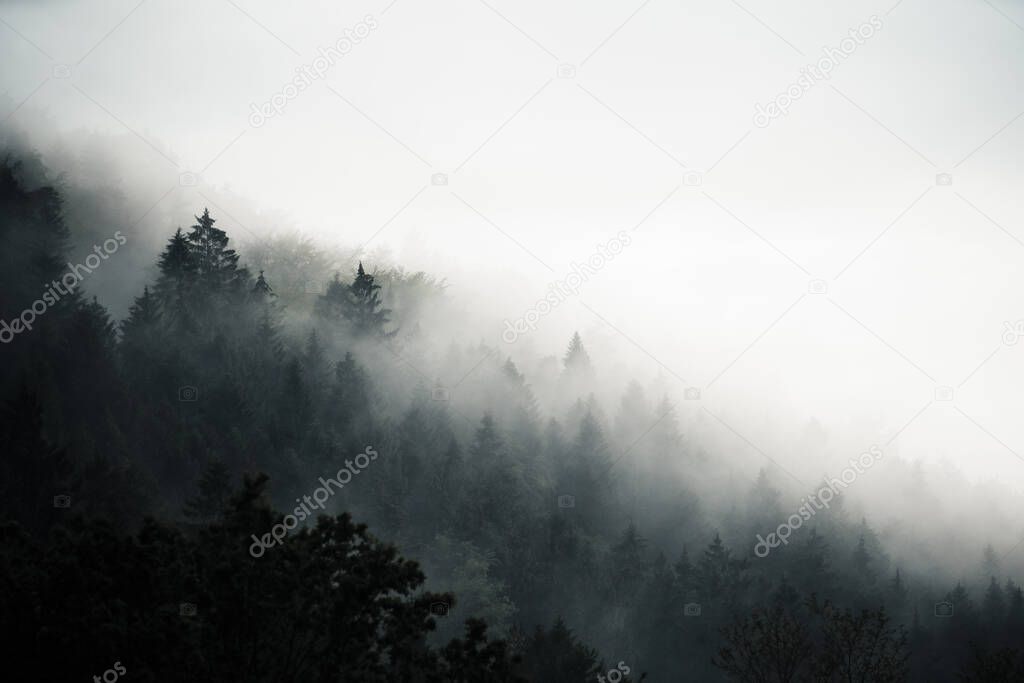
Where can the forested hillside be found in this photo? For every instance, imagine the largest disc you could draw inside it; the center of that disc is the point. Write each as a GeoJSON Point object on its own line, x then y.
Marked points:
{"type": "Point", "coordinates": [280, 474]}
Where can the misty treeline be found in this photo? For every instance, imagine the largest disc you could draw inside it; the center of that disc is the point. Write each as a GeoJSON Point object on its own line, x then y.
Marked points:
{"type": "Point", "coordinates": [143, 458]}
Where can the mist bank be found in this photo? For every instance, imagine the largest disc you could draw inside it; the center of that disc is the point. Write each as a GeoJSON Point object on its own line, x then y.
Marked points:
{"type": "Point", "coordinates": [218, 371]}
{"type": "Point", "coordinates": [454, 312]}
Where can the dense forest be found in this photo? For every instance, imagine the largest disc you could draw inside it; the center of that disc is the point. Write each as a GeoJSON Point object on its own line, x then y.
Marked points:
{"type": "Point", "coordinates": [259, 475]}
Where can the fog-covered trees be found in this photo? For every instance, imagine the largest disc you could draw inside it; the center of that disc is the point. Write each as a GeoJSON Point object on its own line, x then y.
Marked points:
{"type": "Point", "coordinates": [358, 303]}
{"type": "Point", "coordinates": [583, 517]}
{"type": "Point", "coordinates": [332, 604]}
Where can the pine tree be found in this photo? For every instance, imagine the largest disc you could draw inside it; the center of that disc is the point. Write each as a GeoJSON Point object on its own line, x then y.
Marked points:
{"type": "Point", "coordinates": [577, 360]}
{"type": "Point", "coordinates": [994, 604]}
{"type": "Point", "coordinates": [173, 288]}
{"type": "Point", "coordinates": [811, 566]}
{"type": "Point", "coordinates": [510, 371]}
{"type": "Point", "coordinates": [990, 561]}
{"type": "Point", "coordinates": [557, 655]}
{"type": "Point", "coordinates": [265, 342]}
{"type": "Point", "coordinates": [216, 264]}
{"type": "Point", "coordinates": [1014, 610]}
{"type": "Point", "coordinates": [960, 599]}
{"type": "Point", "coordinates": [262, 289]}
{"type": "Point", "coordinates": [524, 414]}
{"type": "Point", "coordinates": [899, 591]}
{"type": "Point", "coordinates": [267, 339]}
{"type": "Point", "coordinates": [350, 395]}
{"type": "Point", "coordinates": [314, 365]}
{"type": "Point", "coordinates": [140, 335]}
{"type": "Point", "coordinates": [683, 573]}
{"type": "Point", "coordinates": [359, 304]}
{"type": "Point", "coordinates": [142, 314]}
{"type": "Point", "coordinates": [214, 493]}
{"type": "Point", "coordinates": [764, 497]}
{"type": "Point", "coordinates": [634, 416]}
{"type": "Point", "coordinates": [719, 576]}
{"type": "Point", "coordinates": [294, 403]}
{"type": "Point", "coordinates": [32, 470]}
{"type": "Point", "coordinates": [785, 596]}
{"type": "Point", "coordinates": [628, 563]}
{"type": "Point", "coordinates": [487, 446]}
{"type": "Point", "coordinates": [449, 483]}
{"type": "Point", "coordinates": [862, 562]}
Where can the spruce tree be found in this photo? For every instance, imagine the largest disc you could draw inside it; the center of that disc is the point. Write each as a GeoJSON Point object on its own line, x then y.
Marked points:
{"type": "Point", "coordinates": [960, 599]}
{"type": "Point", "coordinates": [993, 605]}
{"type": "Point", "coordinates": [350, 395]}
{"type": "Point", "coordinates": [577, 360]}
{"type": "Point", "coordinates": [178, 269]}
{"type": "Point", "coordinates": [214, 493]}
{"type": "Point", "coordinates": [720, 576]}
{"type": "Point", "coordinates": [683, 574]}
{"type": "Point", "coordinates": [142, 314]}
{"type": "Point", "coordinates": [899, 591]}
{"type": "Point", "coordinates": [32, 470]}
{"type": "Point", "coordinates": [989, 561]}
{"type": "Point", "coordinates": [140, 334]}
{"type": "Point", "coordinates": [216, 264]}
{"type": "Point", "coordinates": [359, 304]}
{"type": "Point", "coordinates": [1014, 610]}
{"type": "Point", "coordinates": [862, 561]}
{"type": "Point", "coordinates": [557, 655]}
{"type": "Point", "coordinates": [487, 445]}
{"type": "Point", "coordinates": [262, 289]}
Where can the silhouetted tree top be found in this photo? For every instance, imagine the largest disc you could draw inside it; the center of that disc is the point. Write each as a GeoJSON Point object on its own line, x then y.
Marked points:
{"type": "Point", "coordinates": [330, 603]}
{"type": "Point", "coordinates": [577, 360]}
{"type": "Point", "coordinates": [262, 288]}
{"type": "Point", "coordinates": [216, 264]}
{"type": "Point", "coordinates": [359, 304]}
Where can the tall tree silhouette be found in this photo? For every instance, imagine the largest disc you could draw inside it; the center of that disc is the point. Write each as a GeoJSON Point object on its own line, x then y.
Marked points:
{"type": "Point", "coordinates": [262, 289]}
{"type": "Point", "coordinates": [216, 264]}
{"type": "Point", "coordinates": [178, 268]}
{"type": "Point", "coordinates": [359, 304]}
{"type": "Point", "coordinates": [577, 360]}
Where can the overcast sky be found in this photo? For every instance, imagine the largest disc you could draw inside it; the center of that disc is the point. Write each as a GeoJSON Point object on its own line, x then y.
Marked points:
{"type": "Point", "coordinates": [559, 124]}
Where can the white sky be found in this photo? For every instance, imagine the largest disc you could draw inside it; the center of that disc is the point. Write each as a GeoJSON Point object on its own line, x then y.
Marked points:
{"type": "Point", "coordinates": [845, 183]}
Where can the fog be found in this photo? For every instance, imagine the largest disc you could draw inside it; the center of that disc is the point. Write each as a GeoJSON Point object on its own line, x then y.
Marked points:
{"type": "Point", "coordinates": [820, 280]}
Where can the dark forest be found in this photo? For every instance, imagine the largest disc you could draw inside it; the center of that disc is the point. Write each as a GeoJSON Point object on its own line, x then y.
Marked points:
{"type": "Point", "coordinates": [209, 490]}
